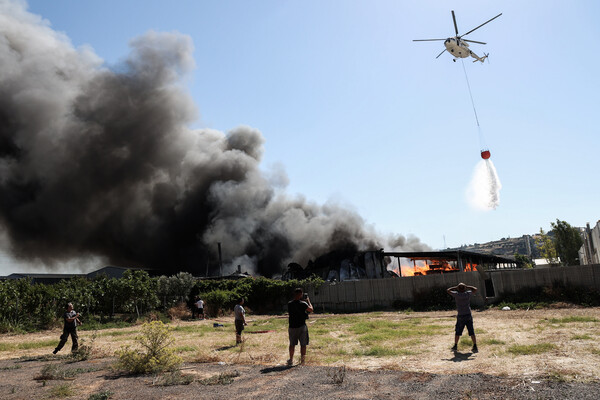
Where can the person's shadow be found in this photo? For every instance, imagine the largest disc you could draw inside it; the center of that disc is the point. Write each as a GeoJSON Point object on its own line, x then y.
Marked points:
{"type": "Point", "coordinates": [278, 368]}
{"type": "Point", "coordinates": [459, 357]}
{"type": "Point", "coordinates": [223, 348]}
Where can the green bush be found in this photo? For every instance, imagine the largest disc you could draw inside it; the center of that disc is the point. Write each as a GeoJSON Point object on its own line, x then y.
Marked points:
{"type": "Point", "coordinates": [219, 300]}
{"type": "Point", "coordinates": [154, 353]}
{"type": "Point", "coordinates": [262, 295]}
{"type": "Point", "coordinates": [26, 307]}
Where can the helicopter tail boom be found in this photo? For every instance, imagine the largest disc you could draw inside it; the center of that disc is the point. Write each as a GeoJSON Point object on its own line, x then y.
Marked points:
{"type": "Point", "coordinates": [477, 58]}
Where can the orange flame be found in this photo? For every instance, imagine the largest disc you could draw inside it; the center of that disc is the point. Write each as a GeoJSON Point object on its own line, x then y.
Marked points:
{"type": "Point", "coordinates": [427, 267]}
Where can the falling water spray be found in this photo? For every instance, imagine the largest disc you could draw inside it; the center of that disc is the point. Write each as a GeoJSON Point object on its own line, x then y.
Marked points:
{"type": "Point", "coordinates": [483, 192]}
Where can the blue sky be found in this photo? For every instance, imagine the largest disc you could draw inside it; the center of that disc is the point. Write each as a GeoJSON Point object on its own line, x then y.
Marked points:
{"type": "Point", "coordinates": [360, 115]}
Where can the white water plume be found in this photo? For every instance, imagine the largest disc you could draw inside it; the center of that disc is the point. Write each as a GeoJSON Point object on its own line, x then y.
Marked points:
{"type": "Point", "coordinates": [483, 192]}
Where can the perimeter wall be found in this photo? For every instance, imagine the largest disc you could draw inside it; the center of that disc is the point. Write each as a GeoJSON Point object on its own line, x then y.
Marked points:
{"type": "Point", "coordinates": [366, 294]}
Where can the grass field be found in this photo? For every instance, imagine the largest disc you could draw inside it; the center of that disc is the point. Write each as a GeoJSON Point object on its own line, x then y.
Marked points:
{"type": "Point", "coordinates": [536, 342]}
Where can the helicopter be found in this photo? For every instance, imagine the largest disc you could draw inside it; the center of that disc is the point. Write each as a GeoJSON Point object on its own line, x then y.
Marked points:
{"type": "Point", "coordinates": [457, 46]}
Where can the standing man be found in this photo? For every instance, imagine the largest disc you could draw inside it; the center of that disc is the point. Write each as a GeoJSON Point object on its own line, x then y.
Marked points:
{"type": "Point", "coordinates": [200, 307]}
{"type": "Point", "coordinates": [298, 310]}
{"type": "Point", "coordinates": [240, 320]}
{"type": "Point", "coordinates": [462, 295]}
{"type": "Point", "coordinates": [70, 328]}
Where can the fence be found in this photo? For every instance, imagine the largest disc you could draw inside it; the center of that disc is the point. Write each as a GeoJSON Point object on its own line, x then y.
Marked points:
{"type": "Point", "coordinates": [367, 294]}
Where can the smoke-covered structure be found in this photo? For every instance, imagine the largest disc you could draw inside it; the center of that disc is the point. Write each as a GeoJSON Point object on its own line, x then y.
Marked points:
{"type": "Point", "coordinates": [98, 161]}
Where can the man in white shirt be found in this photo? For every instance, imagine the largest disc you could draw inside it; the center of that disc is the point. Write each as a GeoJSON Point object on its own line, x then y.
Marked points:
{"type": "Point", "coordinates": [200, 307]}
{"type": "Point", "coordinates": [240, 320]}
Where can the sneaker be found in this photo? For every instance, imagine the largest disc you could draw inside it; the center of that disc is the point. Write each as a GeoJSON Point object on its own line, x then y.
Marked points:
{"type": "Point", "coordinates": [474, 349]}
{"type": "Point", "coordinates": [55, 351]}
{"type": "Point", "coordinates": [290, 362]}
{"type": "Point", "coordinates": [454, 348]}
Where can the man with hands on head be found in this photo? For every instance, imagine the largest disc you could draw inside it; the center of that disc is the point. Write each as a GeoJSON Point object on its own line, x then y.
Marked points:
{"type": "Point", "coordinates": [462, 295]}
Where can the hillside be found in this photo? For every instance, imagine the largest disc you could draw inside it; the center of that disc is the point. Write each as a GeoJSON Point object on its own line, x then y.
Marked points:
{"type": "Point", "coordinates": [524, 245]}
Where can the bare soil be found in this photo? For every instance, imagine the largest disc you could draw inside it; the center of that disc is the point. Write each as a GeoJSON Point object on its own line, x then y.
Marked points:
{"type": "Point", "coordinates": [570, 370]}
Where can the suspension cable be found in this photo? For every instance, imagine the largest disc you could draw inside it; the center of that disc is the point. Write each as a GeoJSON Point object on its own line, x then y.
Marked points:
{"type": "Point", "coordinates": [470, 94]}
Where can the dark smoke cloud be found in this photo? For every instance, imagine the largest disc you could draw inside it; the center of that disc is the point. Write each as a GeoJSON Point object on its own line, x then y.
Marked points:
{"type": "Point", "coordinates": [101, 162]}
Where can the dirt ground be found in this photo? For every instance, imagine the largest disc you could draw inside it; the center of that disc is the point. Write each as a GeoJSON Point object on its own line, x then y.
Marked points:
{"type": "Point", "coordinates": [569, 369]}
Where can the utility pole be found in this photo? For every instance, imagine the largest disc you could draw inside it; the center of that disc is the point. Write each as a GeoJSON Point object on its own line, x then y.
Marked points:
{"type": "Point", "coordinates": [220, 260]}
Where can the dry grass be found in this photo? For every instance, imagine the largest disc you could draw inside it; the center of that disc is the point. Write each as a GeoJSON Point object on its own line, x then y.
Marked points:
{"type": "Point", "coordinates": [179, 312]}
{"type": "Point", "coordinates": [509, 342]}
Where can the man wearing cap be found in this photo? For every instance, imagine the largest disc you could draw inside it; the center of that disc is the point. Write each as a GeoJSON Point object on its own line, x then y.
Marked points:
{"type": "Point", "coordinates": [462, 295]}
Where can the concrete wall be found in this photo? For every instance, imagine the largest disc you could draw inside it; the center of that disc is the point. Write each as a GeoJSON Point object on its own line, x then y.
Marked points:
{"type": "Point", "coordinates": [366, 294]}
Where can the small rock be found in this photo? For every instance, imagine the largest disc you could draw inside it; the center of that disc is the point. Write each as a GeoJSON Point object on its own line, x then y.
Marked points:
{"type": "Point", "coordinates": [506, 308]}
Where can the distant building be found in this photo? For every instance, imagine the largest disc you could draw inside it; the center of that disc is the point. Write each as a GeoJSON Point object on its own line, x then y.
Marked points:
{"type": "Point", "coordinates": [46, 279]}
{"type": "Point", "coordinates": [110, 272]}
{"type": "Point", "coordinates": [589, 253]}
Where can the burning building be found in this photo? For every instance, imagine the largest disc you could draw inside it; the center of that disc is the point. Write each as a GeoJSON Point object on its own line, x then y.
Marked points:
{"type": "Point", "coordinates": [439, 262]}
{"type": "Point", "coordinates": [342, 266]}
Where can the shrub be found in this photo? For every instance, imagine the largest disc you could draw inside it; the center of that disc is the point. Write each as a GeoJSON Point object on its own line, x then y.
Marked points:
{"type": "Point", "coordinates": [173, 378]}
{"type": "Point", "coordinates": [338, 375]}
{"type": "Point", "coordinates": [103, 395]}
{"type": "Point", "coordinates": [59, 372]}
{"type": "Point", "coordinates": [218, 301]}
{"type": "Point", "coordinates": [224, 378]}
{"type": "Point", "coordinates": [155, 354]}
{"type": "Point", "coordinates": [52, 371]}
{"type": "Point", "coordinates": [64, 390]}
{"type": "Point", "coordinates": [84, 352]}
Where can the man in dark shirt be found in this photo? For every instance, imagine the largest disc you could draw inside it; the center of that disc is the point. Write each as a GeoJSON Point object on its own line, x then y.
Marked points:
{"type": "Point", "coordinates": [298, 310]}
{"type": "Point", "coordinates": [70, 328]}
{"type": "Point", "coordinates": [462, 295]}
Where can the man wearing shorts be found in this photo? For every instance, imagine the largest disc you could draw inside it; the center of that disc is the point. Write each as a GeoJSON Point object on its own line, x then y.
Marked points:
{"type": "Point", "coordinates": [298, 310]}
{"type": "Point", "coordinates": [462, 295]}
{"type": "Point", "coordinates": [200, 307]}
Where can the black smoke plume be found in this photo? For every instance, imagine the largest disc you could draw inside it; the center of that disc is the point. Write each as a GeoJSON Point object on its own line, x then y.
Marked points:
{"type": "Point", "coordinates": [99, 161]}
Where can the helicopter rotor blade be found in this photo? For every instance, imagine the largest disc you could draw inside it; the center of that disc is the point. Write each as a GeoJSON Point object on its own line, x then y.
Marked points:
{"type": "Point", "coordinates": [473, 41]}
{"type": "Point", "coordinates": [425, 40]}
{"type": "Point", "coordinates": [438, 56]}
{"type": "Point", "coordinates": [454, 20]}
{"type": "Point", "coordinates": [465, 34]}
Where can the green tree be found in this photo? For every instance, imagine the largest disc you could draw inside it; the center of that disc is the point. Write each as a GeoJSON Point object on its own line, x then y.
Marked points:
{"type": "Point", "coordinates": [567, 241]}
{"type": "Point", "coordinates": [547, 249]}
{"type": "Point", "coordinates": [140, 289]}
{"type": "Point", "coordinates": [525, 261]}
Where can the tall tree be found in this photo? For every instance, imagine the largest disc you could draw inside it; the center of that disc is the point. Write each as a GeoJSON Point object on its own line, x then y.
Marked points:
{"type": "Point", "coordinates": [567, 241]}
{"type": "Point", "coordinates": [547, 248]}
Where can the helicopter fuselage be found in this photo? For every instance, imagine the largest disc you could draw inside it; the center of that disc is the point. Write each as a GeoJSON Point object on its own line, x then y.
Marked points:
{"type": "Point", "coordinates": [458, 48]}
